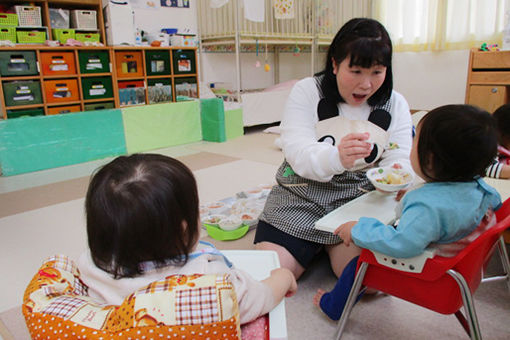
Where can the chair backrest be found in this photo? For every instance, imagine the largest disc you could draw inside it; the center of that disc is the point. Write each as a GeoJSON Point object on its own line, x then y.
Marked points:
{"type": "Point", "coordinates": [434, 288]}
{"type": "Point", "coordinates": [56, 305]}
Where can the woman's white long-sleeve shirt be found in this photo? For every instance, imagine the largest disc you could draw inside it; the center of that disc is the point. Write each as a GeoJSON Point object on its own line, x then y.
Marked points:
{"type": "Point", "coordinates": [321, 161]}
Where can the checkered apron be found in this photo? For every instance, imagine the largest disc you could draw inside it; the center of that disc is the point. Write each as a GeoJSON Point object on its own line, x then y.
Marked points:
{"type": "Point", "coordinates": [296, 203]}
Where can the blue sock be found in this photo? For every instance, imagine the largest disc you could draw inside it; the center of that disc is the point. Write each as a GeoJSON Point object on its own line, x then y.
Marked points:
{"type": "Point", "coordinates": [333, 303]}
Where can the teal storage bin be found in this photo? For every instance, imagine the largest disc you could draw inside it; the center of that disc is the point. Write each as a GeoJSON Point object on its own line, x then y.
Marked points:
{"type": "Point", "coordinates": [18, 93]}
{"type": "Point", "coordinates": [94, 61]}
{"type": "Point", "coordinates": [97, 87]}
{"type": "Point", "coordinates": [18, 63]}
{"type": "Point", "coordinates": [157, 62]}
{"type": "Point", "coordinates": [184, 61]}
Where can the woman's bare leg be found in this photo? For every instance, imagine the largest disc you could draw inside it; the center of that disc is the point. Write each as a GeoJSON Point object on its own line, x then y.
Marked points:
{"type": "Point", "coordinates": [340, 255]}
{"type": "Point", "coordinates": [286, 259]}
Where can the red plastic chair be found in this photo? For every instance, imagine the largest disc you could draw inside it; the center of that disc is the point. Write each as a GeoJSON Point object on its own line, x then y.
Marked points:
{"type": "Point", "coordinates": [444, 285]}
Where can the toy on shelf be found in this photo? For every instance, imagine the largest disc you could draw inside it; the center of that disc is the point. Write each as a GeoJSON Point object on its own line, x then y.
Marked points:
{"type": "Point", "coordinates": [487, 47]}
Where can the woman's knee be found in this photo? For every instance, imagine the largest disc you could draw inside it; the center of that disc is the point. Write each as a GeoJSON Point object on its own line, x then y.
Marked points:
{"type": "Point", "coordinates": [286, 259]}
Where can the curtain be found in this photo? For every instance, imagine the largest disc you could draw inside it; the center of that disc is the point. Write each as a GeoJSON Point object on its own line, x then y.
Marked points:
{"type": "Point", "coordinates": [420, 25]}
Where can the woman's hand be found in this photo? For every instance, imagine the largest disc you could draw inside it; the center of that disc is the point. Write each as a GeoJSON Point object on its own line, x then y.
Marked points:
{"type": "Point", "coordinates": [353, 147]}
{"type": "Point", "coordinates": [344, 231]}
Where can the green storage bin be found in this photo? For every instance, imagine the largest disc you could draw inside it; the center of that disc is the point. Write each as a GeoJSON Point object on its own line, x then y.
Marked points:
{"type": "Point", "coordinates": [27, 92]}
{"type": "Point", "coordinates": [83, 37]}
{"type": "Point", "coordinates": [184, 61]}
{"type": "Point", "coordinates": [8, 33]}
{"type": "Point", "coordinates": [94, 61]}
{"type": "Point", "coordinates": [18, 63]}
{"type": "Point", "coordinates": [24, 113]}
{"type": "Point", "coordinates": [8, 19]}
{"type": "Point", "coordinates": [31, 37]}
{"type": "Point", "coordinates": [62, 34]}
{"type": "Point", "coordinates": [99, 106]}
{"type": "Point", "coordinates": [157, 62]}
{"type": "Point", "coordinates": [159, 90]}
{"type": "Point", "coordinates": [97, 87]}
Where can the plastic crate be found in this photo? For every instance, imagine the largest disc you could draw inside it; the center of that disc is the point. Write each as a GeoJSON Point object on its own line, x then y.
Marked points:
{"type": "Point", "coordinates": [59, 18]}
{"type": "Point", "coordinates": [159, 90]}
{"type": "Point", "coordinates": [57, 110]}
{"type": "Point", "coordinates": [94, 61]}
{"type": "Point", "coordinates": [84, 19]}
{"type": "Point", "coordinates": [184, 61]}
{"type": "Point", "coordinates": [61, 90]}
{"type": "Point", "coordinates": [57, 63]}
{"type": "Point", "coordinates": [62, 34]}
{"type": "Point", "coordinates": [22, 93]}
{"type": "Point", "coordinates": [128, 64]}
{"type": "Point", "coordinates": [185, 88]}
{"type": "Point", "coordinates": [97, 87]}
{"type": "Point", "coordinates": [8, 33]}
{"type": "Point", "coordinates": [31, 37]}
{"type": "Point", "coordinates": [18, 63]}
{"type": "Point", "coordinates": [157, 62]}
{"type": "Point", "coordinates": [83, 37]}
{"type": "Point", "coordinates": [29, 16]}
{"type": "Point", "coordinates": [99, 106]}
{"type": "Point", "coordinates": [24, 113]}
{"type": "Point", "coordinates": [131, 92]}
{"type": "Point", "coordinates": [8, 19]}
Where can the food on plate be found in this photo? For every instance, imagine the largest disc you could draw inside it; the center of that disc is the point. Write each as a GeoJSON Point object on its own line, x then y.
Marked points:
{"type": "Point", "coordinates": [213, 219]}
{"type": "Point", "coordinates": [395, 178]}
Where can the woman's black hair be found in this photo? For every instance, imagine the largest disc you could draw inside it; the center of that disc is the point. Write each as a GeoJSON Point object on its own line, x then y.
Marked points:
{"type": "Point", "coordinates": [456, 143]}
{"type": "Point", "coordinates": [367, 43]}
{"type": "Point", "coordinates": [502, 117]}
{"type": "Point", "coordinates": [139, 208]}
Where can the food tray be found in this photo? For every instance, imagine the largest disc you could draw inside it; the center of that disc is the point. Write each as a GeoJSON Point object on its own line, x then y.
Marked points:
{"type": "Point", "coordinates": [373, 204]}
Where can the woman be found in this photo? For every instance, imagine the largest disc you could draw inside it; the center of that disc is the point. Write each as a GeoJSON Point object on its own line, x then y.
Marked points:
{"type": "Point", "coordinates": [335, 124]}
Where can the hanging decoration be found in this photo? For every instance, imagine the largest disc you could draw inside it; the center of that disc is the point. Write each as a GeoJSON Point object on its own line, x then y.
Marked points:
{"type": "Point", "coordinates": [257, 62]}
{"type": "Point", "coordinates": [267, 68]}
{"type": "Point", "coordinates": [296, 51]}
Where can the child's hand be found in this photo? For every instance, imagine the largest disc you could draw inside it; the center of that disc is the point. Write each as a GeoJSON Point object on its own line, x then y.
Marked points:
{"type": "Point", "coordinates": [344, 231]}
{"type": "Point", "coordinates": [400, 194]}
{"type": "Point", "coordinates": [283, 277]}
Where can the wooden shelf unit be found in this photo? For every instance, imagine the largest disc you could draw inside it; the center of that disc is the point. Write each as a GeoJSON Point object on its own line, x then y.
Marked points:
{"type": "Point", "coordinates": [95, 5]}
{"type": "Point", "coordinates": [78, 75]}
{"type": "Point", "coordinates": [488, 81]}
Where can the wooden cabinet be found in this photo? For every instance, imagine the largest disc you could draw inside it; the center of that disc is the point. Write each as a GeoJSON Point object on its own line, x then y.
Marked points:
{"type": "Point", "coordinates": [37, 80]}
{"type": "Point", "coordinates": [488, 79]}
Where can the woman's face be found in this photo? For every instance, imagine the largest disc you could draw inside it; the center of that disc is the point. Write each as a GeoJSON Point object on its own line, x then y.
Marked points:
{"type": "Point", "coordinates": [356, 84]}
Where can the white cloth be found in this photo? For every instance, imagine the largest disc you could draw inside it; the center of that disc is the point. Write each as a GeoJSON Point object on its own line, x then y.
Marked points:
{"type": "Point", "coordinates": [254, 297]}
{"type": "Point", "coordinates": [321, 161]}
{"type": "Point", "coordinates": [217, 3]}
{"type": "Point", "coordinates": [254, 10]}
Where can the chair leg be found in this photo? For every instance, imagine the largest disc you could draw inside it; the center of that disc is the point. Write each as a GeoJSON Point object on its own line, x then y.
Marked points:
{"type": "Point", "coordinates": [351, 299]}
{"type": "Point", "coordinates": [503, 254]}
{"type": "Point", "coordinates": [469, 307]}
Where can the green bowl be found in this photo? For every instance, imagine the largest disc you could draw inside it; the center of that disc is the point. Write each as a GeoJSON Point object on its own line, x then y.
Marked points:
{"type": "Point", "coordinates": [226, 235]}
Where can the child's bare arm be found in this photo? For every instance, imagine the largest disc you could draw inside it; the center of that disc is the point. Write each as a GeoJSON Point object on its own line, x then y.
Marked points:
{"type": "Point", "coordinates": [283, 284]}
{"type": "Point", "coordinates": [344, 231]}
{"type": "Point", "coordinates": [505, 172]}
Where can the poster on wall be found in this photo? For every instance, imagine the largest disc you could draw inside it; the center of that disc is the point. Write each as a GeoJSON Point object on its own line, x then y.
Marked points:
{"type": "Point", "coordinates": [145, 4]}
{"type": "Point", "coordinates": [175, 3]}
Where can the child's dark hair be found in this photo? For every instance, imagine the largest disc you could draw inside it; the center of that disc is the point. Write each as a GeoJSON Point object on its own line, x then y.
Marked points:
{"type": "Point", "coordinates": [502, 117]}
{"type": "Point", "coordinates": [142, 207]}
{"type": "Point", "coordinates": [456, 143]}
{"type": "Point", "coordinates": [367, 43]}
